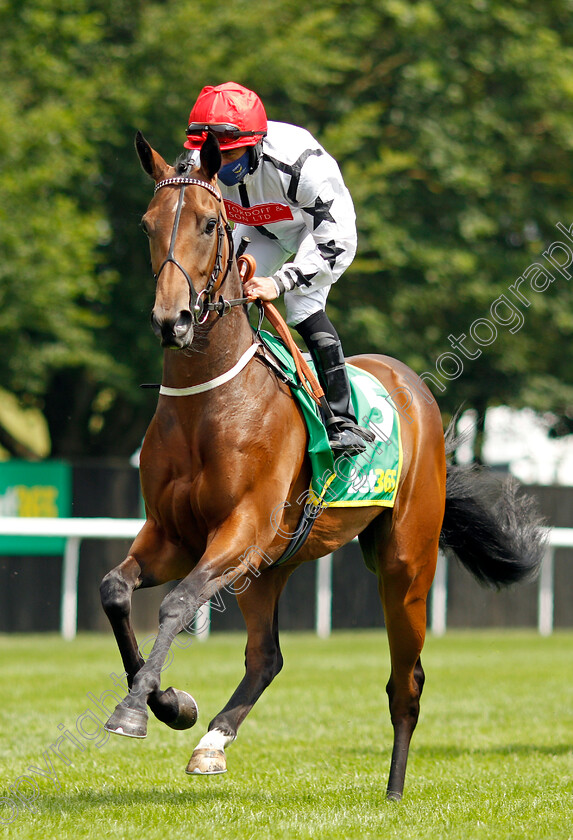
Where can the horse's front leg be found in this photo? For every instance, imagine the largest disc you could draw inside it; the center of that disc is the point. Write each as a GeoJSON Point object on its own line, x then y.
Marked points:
{"type": "Point", "coordinates": [116, 590]}
{"type": "Point", "coordinates": [263, 661]}
{"type": "Point", "coordinates": [216, 569]}
{"type": "Point", "coordinates": [151, 561]}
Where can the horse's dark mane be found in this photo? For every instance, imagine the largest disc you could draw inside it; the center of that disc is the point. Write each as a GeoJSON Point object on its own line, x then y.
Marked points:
{"type": "Point", "coordinates": [184, 164]}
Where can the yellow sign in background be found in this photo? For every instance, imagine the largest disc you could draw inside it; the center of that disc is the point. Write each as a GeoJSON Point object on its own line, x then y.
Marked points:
{"type": "Point", "coordinates": [28, 489]}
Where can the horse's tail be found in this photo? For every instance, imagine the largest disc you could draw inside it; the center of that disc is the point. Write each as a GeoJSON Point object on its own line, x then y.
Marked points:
{"type": "Point", "coordinates": [493, 530]}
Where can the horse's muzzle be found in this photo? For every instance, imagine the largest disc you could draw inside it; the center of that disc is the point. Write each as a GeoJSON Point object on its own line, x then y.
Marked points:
{"type": "Point", "coordinates": [175, 333]}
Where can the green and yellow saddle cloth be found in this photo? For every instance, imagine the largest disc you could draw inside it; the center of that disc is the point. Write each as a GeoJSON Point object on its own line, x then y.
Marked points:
{"type": "Point", "coordinates": [370, 478]}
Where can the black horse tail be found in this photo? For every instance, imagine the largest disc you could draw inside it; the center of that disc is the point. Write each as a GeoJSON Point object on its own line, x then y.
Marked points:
{"type": "Point", "coordinates": [492, 528]}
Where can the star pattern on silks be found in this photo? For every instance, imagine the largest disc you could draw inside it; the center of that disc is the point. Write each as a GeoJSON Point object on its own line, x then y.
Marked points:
{"type": "Point", "coordinates": [299, 278]}
{"type": "Point", "coordinates": [320, 211]}
{"type": "Point", "coordinates": [329, 251]}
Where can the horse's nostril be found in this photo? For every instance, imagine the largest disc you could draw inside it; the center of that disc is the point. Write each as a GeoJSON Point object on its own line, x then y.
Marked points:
{"type": "Point", "coordinates": [173, 332]}
{"type": "Point", "coordinates": [182, 324]}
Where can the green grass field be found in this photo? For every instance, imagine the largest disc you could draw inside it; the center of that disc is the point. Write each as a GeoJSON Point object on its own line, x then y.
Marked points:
{"type": "Point", "coordinates": [492, 756]}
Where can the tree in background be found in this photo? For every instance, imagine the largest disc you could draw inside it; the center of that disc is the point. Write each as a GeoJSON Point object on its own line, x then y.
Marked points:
{"type": "Point", "coordinates": [62, 73]}
{"type": "Point", "coordinates": [461, 170]}
{"type": "Point", "coordinates": [452, 124]}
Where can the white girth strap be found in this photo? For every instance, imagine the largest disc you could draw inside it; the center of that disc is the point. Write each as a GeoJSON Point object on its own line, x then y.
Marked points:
{"type": "Point", "coordinates": [213, 383]}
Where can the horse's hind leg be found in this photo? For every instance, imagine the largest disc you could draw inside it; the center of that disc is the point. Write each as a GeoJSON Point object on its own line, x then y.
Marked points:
{"type": "Point", "coordinates": [263, 661]}
{"type": "Point", "coordinates": [405, 613]}
{"type": "Point", "coordinates": [406, 561]}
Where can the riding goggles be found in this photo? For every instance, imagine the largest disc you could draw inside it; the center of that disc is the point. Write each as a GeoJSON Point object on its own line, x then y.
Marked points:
{"type": "Point", "coordinates": [224, 132]}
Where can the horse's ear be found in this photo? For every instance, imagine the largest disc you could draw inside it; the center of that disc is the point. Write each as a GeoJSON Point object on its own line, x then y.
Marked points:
{"type": "Point", "coordinates": [151, 161]}
{"type": "Point", "coordinates": [210, 156]}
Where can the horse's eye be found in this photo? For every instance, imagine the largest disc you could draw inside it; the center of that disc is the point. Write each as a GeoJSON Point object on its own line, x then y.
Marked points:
{"type": "Point", "coordinates": [210, 226]}
{"type": "Point", "coordinates": [144, 227]}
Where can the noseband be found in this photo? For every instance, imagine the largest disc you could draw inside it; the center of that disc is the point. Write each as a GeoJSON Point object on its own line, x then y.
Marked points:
{"type": "Point", "coordinates": [200, 302]}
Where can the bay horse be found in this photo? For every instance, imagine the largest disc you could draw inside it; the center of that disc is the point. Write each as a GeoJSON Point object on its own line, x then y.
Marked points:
{"type": "Point", "coordinates": [220, 459]}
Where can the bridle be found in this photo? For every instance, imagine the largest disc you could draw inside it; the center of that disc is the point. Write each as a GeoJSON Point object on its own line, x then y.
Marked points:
{"type": "Point", "coordinates": [200, 302]}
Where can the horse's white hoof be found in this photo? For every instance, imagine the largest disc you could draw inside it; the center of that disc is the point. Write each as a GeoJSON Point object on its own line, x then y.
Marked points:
{"type": "Point", "coordinates": [206, 762]}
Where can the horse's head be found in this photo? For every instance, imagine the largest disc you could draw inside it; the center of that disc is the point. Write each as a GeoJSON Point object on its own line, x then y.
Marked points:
{"type": "Point", "coordinates": [187, 236]}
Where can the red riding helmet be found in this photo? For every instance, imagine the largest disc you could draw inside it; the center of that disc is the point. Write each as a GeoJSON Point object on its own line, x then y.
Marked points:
{"type": "Point", "coordinates": [232, 112]}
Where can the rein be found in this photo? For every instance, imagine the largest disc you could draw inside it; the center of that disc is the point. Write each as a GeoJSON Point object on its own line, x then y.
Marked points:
{"type": "Point", "coordinates": [201, 303]}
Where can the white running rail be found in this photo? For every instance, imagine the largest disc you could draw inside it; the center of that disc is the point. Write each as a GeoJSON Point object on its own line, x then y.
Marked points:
{"type": "Point", "coordinates": [75, 529]}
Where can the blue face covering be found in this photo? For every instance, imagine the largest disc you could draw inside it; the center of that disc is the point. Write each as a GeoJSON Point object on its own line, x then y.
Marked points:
{"type": "Point", "coordinates": [235, 171]}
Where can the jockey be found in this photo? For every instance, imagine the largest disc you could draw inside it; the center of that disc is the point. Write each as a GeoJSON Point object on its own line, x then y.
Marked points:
{"type": "Point", "coordinates": [286, 193]}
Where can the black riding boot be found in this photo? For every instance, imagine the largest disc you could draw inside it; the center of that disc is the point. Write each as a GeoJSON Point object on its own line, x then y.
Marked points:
{"type": "Point", "coordinates": [322, 340]}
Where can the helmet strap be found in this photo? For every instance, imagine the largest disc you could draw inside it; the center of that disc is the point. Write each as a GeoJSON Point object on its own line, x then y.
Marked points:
{"type": "Point", "coordinates": [255, 155]}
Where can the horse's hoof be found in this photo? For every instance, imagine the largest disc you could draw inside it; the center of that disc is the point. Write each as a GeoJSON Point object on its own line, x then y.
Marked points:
{"type": "Point", "coordinates": [128, 722]}
{"type": "Point", "coordinates": [205, 762]}
{"type": "Point", "coordinates": [393, 796]}
{"type": "Point", "coordinates": [187, 709]}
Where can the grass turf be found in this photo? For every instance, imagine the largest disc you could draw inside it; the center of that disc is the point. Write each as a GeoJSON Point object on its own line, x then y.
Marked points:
{"type": "Point", "coordinates": [492, 756]}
